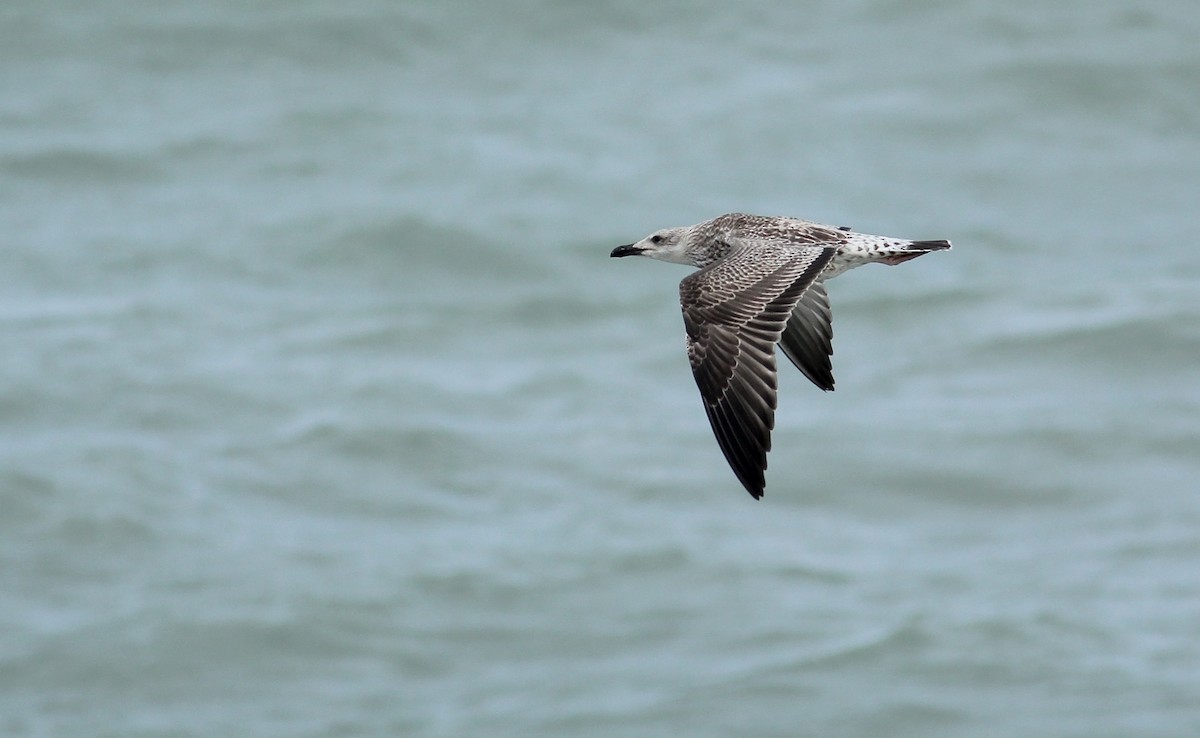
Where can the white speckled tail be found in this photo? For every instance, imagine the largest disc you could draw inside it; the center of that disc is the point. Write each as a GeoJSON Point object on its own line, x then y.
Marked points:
{"type": "Point", "coordinates": [863, 248]}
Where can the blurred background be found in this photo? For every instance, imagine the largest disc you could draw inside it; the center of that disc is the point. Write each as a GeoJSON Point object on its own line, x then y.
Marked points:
{"type": "Point", "coordinates": [325, 412]}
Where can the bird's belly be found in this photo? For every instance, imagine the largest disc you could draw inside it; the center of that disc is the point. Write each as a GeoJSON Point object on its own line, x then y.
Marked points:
{"type": "Point", "coordinates": [844, 262]}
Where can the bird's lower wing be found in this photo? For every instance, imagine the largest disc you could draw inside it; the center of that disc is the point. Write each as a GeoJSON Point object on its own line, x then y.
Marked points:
{"type": "Point", "coordinates": [735, 311]}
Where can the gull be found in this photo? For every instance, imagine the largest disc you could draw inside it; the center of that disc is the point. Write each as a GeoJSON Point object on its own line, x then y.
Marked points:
{"type": "Point", "coordinates": [761, 282]}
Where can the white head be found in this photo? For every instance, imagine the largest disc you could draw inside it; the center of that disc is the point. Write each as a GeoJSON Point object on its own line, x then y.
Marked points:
{"type": "Point", "coordinates": [668, 244]}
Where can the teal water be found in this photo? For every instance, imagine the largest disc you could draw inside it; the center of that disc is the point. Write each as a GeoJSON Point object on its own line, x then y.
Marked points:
{"type": "Point", "coordinates": [326, 413]}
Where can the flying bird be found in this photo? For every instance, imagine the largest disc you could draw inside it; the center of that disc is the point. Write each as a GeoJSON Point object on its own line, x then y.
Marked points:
{"type": "Point", "coordinates": [761, 282]}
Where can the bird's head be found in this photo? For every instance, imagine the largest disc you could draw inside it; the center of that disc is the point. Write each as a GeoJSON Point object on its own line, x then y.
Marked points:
{"type": "Point", "coordinates": [668, 244]}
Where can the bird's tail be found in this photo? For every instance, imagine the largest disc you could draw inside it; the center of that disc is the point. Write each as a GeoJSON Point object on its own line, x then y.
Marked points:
{"type": "Point", "coordinates": [913, 249]}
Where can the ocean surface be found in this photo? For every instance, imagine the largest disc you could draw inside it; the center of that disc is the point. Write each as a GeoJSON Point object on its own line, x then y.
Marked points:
{"type": "Point", "coordinates": [324, 411]}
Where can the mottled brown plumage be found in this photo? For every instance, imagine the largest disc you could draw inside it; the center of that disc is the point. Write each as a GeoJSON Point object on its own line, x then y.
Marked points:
{"type": "Point", "coordinates": [760, 283]}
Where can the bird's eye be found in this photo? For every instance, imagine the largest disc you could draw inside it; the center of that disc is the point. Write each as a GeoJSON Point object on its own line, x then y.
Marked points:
{"type": "Point", "coordinates": [656, 238]}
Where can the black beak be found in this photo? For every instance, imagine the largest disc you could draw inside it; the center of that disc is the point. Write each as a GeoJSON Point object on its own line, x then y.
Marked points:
{"type": "Point", "coordinates": [626, 250]}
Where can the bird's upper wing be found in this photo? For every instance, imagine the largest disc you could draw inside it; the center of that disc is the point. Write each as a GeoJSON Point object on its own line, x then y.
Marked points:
{"type": "Point", "coordinates": [735, 311]}
{"type": "Point", "coordinates": [808, 338]}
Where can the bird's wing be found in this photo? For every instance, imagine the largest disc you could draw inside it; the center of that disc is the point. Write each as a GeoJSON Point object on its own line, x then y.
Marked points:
{"type": "Point", "coordinates": [808, 338]}
{"type": "Point", "coordinates": [735, 311]}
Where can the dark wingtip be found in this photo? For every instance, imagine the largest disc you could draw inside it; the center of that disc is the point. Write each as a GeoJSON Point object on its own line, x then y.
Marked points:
{"type": "Point", "coordinates": [626, 250]}
{"type": "Point", "coordinates": [755, 484]}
